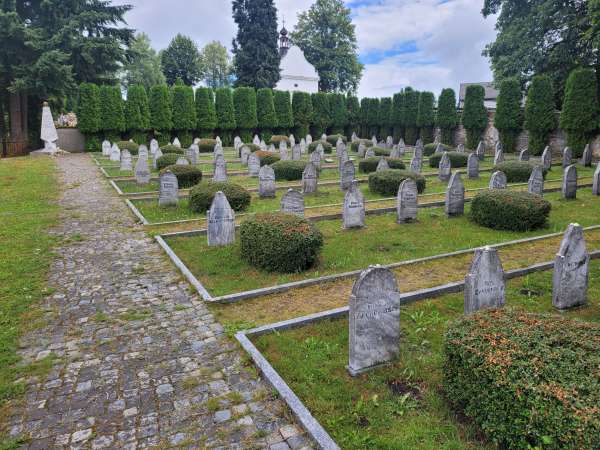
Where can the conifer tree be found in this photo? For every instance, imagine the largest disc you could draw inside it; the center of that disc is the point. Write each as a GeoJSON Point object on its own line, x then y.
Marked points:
{"type": "Point", "coordinates": [303, 111]}
{"type": "Point", "coordinates": [225, 114]}
{"type": "Point", "coordinates": [385, 117]}
{"type": "Point", "coordinates": [184, 113]}
{"type": "Point", "coordinates": [426, 116]}
{"type": "Point", "coordinates": [88, 115]}
{"type": "Point", "coordinates": [365, 103]}
{"type": "Point", "coordinates": [111, 112]}
{"type": "Point", "coordinates": [244, 103]}
{"type": "Point", "coordinates": [353, 114]}
{"type": "Point", "coordinates": [161, 114]}
{"type": "Point", "coordinates": [321, 118]}
{"type": "Point", "coordinates": [373, 117]}
{"type": "Point", "coordinates": [474, 118]}
{"type": "Point", "coordinates": [339, 117]}
{"type": "Point", "coordinates": [447, 116]}
{"type": "Point", "coordinates": [540, 113]}
{"type": "Point", "coordinates": [137, 113]}
{"type": "Point", "coordinates": [411, 111]}
{"type": "Point", "coordinates": [397, 116]}
{"type": "Point", "coordinates": [265, 108]}
{"type": "Point", "coordinates": [509, 117]}
{"type": "Point", "coordinates": [283, 110]}
{"type": "Point", "coordinates": [205, 112]}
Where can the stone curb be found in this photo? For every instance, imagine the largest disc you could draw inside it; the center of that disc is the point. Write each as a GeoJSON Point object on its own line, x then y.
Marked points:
{"type": "Point", "coordinates": [136, 212]}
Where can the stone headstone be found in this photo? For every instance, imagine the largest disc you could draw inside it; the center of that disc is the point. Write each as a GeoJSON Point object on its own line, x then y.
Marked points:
{"type": "Point", "coordinates": [484, 284]}
{"type": "Point", "coordinates": [382, 165]}
{"type": "Point", "coordinates": [569, 184]}
{"type": "Point", "coordinates": [219, 141]}
{"type": "Point", "coordinates": [292, 202]}
{"type": "Point", "coordinates": [220, 170]}
{"type": "Point", "coordinates": [237, 142]}
{"type": "Point", "coordinates": [498, 180]}
{"type": "Point", "coordinates": [455, 196]}
{"type": "Point", "coordinates": [418, 152]}
{"type": "Point", "coordinates": [596, 184]}
{"type": "Point", "coordinates": [370, 153]}
{"type": "Point", "coordinates": [272, 148]}
{"type": "Point", "coordinates": [143, 151]}
{"type": "Point", "coordinates": [256, 140]}
{"type": "Point", "coordinates": [571, 270]}
{"type": "Point", "coordinates": [182, 161]}
{"type": "Point", "coordinates": [157, 154]}
{"type": "Point", "coordinates": [218, 151]}
{"type": "Point", "coordinates": [244, 154]}
{"type": "Point", "coordinates": [416, 164]}
{"type": "Point", "coordinates": [126, 162]}
{"type": "Point", "coordinates": [480, 151]}
{"type": "Point", "coordinates": [407, 201]}
{"type": "Point", "coordinates": [440, 148]}
{"type": "Point", "coordinates": [253, 165]}
{"type": "Point", "coordinates": [340, 147]}
{"type": "Point", "coordinates": [401, 146]}
{"type": "Point", "coordinates": [374, 320]}
{"type": "Point", "coordinates": [586, 159]}
{"type": "Point", "coordinates": [263, 145]}
{"type": "Point", "coordinates": [283, 145]}
{"type": "Point", "coordinates": [361, 150]}
{"type": "Point", "coordinates": [315, 158]}
{"type": "Point", "coordinates": [296, 152]}
{"type": "Point", "coordinates": [354, 207]}
{"type": "Point", "coordinates": [193, 154]}
{"type": "Point", "coordinates": [310, 178]}
{"type": "Point", "coordinates": [115, 153]}
{"type": "Point", "coordinates": [320, 149]}
{"type": "Point", "coordinates": [221, 222]}
{"type": "Point", "coordinates": [499, 146]}
{"type": "Point", "coordinates": [536, 181]}
{"type": "Point", "coordinates": [547, 158]}
{"type": "Point", "coordinates": [168, 189]}
{"type": "Point", "coordinates": [292, 140]}
{"type": "Point", "coordinates": [445, 167]}
{"type": "Point", "coordinates": [354, 137]}
{"type": "Point", "coordinates": [342, 158]}
{"type": "Point", "coordinates": [395, 153]}
{"type": "Point", "coordinates": [176, 143]}
{"type": "Point", "coordinates": [567, 157]}
{"type": "Point", "coordinates": [499, 157]}
{"type": "Point", "coordinates": [524, 155]}
{"type": "Point", "coordinates": [460, 148]}
{"type": "Point", "coordinates": [197, 141]}
{"type": "Point", "coordinates": [473, 166]}
{"type": "Point", "coordinates": [389, 142]}
{"type": "Point", "coordinates": [154, 146]}
{"type": "Point", "coordinates": [309, 139]}
{"type": "Point", "coordinates": [284, 153]}
{"type": "Point", "coordinates": [266, 182]}
{"type": "Point", "coordinates": [323, 137]}
{"type": "Point", "coordinates": [106, 148]}
{"type": "Point", "coordinates": [419, 143]}
{"type": "Point", "coordinates": [374, 141]}
{"type": "Point", "coordinates": [347, 174]}
{"type": "Point", "coordinates": [303, 146]}
{"type": "Point", "coordinates": [142, 171]}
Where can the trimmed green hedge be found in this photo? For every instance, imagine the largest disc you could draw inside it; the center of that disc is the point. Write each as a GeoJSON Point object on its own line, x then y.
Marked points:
{"type": "Point", "coordinates": [366, 142]}
{"type": "Point", "coordinates": [370, 164]}
{"type": "Point", "coordinates": [327, 147]}
{"type": "Point", "coordinates": [170, 148]}
{"type": "Point", "coordinates": [526, 380]}
{"type": "Point", "coordinates": [332, 139]}
{"type": "Point", "coordinates": [382, 151]}
{"type": "Point", "coordinates": [429, 149]}
{"type": "Point", "coordinates": [267, 158]}
{"type": "Point", "coordinates": [187, 176]}
{"type": "Point", "coordinates": [279, 242]}
{"type": "Point", "coordinates": [207, 145]}
{"type": "Point", "coordinates": [166, 160]}
{"type": "Point", "coordinates": [202, 195]}
{"type": "Point", "coordinates": [501, 209]}
{"type": "Point", "coordinates": [132, 147]}
{"type": "Point", "coordinates": [289, 170]}
{"type": "Point", "coordinates": [457, 159]}
{"type": "Point", "coordinates": [387, 182]}
{"type": "Point", "coordinates": [517, 171]}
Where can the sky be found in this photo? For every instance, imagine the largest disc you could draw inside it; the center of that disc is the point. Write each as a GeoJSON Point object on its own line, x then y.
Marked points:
{"type": "Point", "coordinates": [426, 44]}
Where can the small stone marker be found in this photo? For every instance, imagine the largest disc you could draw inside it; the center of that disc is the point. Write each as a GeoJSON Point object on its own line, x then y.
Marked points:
{"type": "Point", "coordinates": [407, 201]}
{"type": "Point", "coordinates": [154, 146]}
{"type": "Point", "coordinates": [182, 161]}
{"type": "Point", "coordinates": [374, 141]}
{"type": "Point", "coordinates": [339, 147]}
{"type": "Point", "coordinates": [445, 167]}
{"type": "Point", "coordinates": [253, 165]}
{"type": "Point", "coordinates": [484, 284]}
{"type": "Point", "coordinates": [237, 142]}
{"type": "Point", "coordinates": [218, 151]}
{"type": "Point", "coordinates": [157, 154]}
{"type": "Point", "coordinates": [498, 180]}
{"type": "Point", "coordinates": [310, 178]}
{"type": "Point", "coordinates": [142, 171]}
{"type": "Point", "coordinates": [292, 140]}
{"type": "Point", "coordinates": [266, 182]}
{"type": "Point", "coordinates": [126, 163]}
{"type": "Point", "coordinates": [547, 158]}
{"type": "Point", "coordinates": [440, 149]}
{"type": "Point", "coordinates": [569, 184]}
{"type": "Point", "coordinates": [263, 145]}
{"type": "Point", "coordinates": [168, 190]}
{"type": "Point", "coordinates": [596, 184]}
{"type": "Point", "coordinates": [455, 196]}
{"type": "Point", "coordinates": [323, 137]}
{"type": "Point", "coordinates": [401, 146]}
{"type": "Point", "coordinates": [309, 139]}
{"type": "Point", "coordinates": [303, 146]}
{"type": "Point", "coordinates": [395, 153]}
{"type": "Point", "coordinates": [370, 153]}
{"type": "Point", "coordinates": [176, 143]}
{"type": "Point", "coordinates": [292, 202]}
{"type": "Point", "coordinates": [296, 152]}
{"type": "Point", "coordinates": [354, 207]}
{"type": "Point", "coordinates": [315, 158]}
{"type": "Point", "coordinates": [193, 154]}
{"type": "Point", "coordinates": [480, 151]}
{"type": "Point", "coordinates": [418, 152]}
{"type": "Point", "coordinates": [256, 140]}
{"type": "Point", "coordinates": [221, 222]}
{"type": "Point", "coordinates": [460, 148]}
{"type": "Point", "coordinates": [354, 137]}
{"type": "Point", "coordinates": [284, 153]}
{"type": "Point", "coordinates": [219, 141]}
{"type": "Point", "coordinates": [342, 159]}
{"type": "Point", "coordinates": [473, 166]}
{"type": "Point", "coordinates": [106, 148]}
{"type": "Point", "coordinates": [374, 320]}
{"type": "Point", "coordinates": [389, 142]}
{"type": "Point", "coordinates": [347, 173]}
{"type": "Point", "coordinates": [143, 151]}
{"type": "Point", "coordinates": [524, 155]}
{"type": "Point", "coordinates": [362, 149]}
{"type": "Point", "coordinates": [499, 146]}
{"type": "Point", "coordinates": [115, 153]}
{"type": "Point", "coordinates": [586, 159]}
{"type": "Point", "coordinates": [567, 157]}
{"type": "Point", "coordinates": [382, 165]}
{"type": "Point", "coordinates": [571, 270]}
{"type": "Point", "coordinates": [536, 181]}
{"type": "Point", "coordinates": [244, 154]}
{"type": "Point", "coordinates": [416, 164]}
{"type": "Point", "coordinates": [220, 170]}
{"type": "Point", "coordinates": [499, 157]}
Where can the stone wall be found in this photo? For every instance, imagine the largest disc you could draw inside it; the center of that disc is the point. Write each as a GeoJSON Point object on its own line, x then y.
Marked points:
{"type": "Point", "coordinates": [70, 140]}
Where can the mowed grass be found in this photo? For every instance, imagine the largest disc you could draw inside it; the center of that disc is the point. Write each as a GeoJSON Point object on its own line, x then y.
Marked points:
{"type": "Point", "coordinates": [365, 412]}
{"type": "Point", "coordinates": [382, 241]}
{"type": "Point", "coordinates": [28, 210]}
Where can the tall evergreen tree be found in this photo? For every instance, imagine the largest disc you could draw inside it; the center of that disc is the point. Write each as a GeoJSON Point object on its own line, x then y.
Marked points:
{"type": "Point", "coordinates": [385, 117]}
{"type": "Point", "coordinates": [411, 111]}
{"type": "Point", "coordinates": [161, 114]}
{"type": "Point", "coordinates": [244, 103]}
{"type": "Point", "coordinates": [88, 114]}
{"type": "Point", "coordinates": [283, 110]}
{"type": "Point", "coordinates": [364, 117]}
{"type": "Point", "coordinates": [540, 113]}
{"type": "Point", "coordinates": [339, 117]}
{"type": "Point", "coordinates": [225, 114]}
{"type": "Point", "coordinates": [255, 48]}
{"type": "Point", "coordinates": [321, 118]}
{"type": "Point", "coordinates": [474, 118]}
{"type": "Point", "coordinates": [303, 111]}
{"type": "Point", "coordinates": [111, 112]}
{"type": "Point", "coordinates": [137, 113]}
{"type": "Point", "coordinates": [426, 116]}
{"type": "Point", "coordinates": [397, 116]}
{"type": "Point", "coordinates": [265, 108]}
{"type": "Point", "coordinates": [447, 116]}
{"type": "Point", "coordinates": [205, 112]}
{"type": "Point", "coordinates": [373, 117]}
{"type": "Point", "coordinates": [509, 116]}
{"type": "Point", "coordinates": [184, 112]}
{"type": "Point", "coordinates": [353, 113]}
{"type": "Point", "coordinates": [181, 61]}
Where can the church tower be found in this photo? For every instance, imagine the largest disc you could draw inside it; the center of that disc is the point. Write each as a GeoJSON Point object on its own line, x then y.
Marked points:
{"type": "Point", "coordinates": [284, 42]}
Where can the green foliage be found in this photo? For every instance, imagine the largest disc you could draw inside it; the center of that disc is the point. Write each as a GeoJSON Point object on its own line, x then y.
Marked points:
{"type": "Point", "coordinates": [207, 145]}
{"type": "Point", "coordinates": [181, 61]}
{"type": "Point", "coordinates": [369, 165]}
{"type": "Point", "coordinates": [131, 147]}
{"type": "Point", "coordinates": [202, 195]}
{"type": "Point", "coordinates": [429, 149]}
{"type": "Point", "coordinates": [579, 115]}
{"type": "Point", "coordinates": [339, 118]}
{"type": "Point", "coordinates": [170, 148]}
{"type": "Point", "coordinates": [283, 110]}
{"type": "Point", "coordinates": [333, 138]}
{"type": "Point", "coordinates": [255, 48]}
{"type": "Point", "coordinates": [410, 114]}
{"type": "Point", "coordinates": [279, 242]}
{"type": "Point", "coordinates": [363, 116]}
{"type": "Point", "coordinates": [353, 115]}
{"type": "Point", "coordinates": [457, 159]}
{"type": "Point", "coordinates": [267, 158]}
{"type": "Point", "coordinates": [88, 111]}
{"type": "Point", "coordinates": [143, 64]}
{"type": "Point", "coordinates": [385, 117]}
{"type": "Point", "coordinates": [216, 65]}
{"type": "Point", "coordinates": [161, 115]}
{"type": "Point", "coordinates": [187, 176]}
{"type": "Point", "coordinates": [517, 171]}
{"type": "Point", "coordinates": [327, 147]}
{"type": "Point", "coordinates": [321, 118]}
{"type": "Point", "coordinates": [509, 117]}
{"type": "Point", "coordinates": [302, 110]}
{"type": "Point", "coordinates": [387, 182]}
{"type": "Point", "coordinates": [184, 109]}
{"type": "Point", "coordinates": [167, 160]}
{"type": "Point", "coordinates": [277, 139]}
{"type": "Point", "coordinates": [137, 109]}
{"type": "Point", "coordinates": [111, 109]}
{"type": "Point", "coordinates": [540, 115]}
{"type": "Point", "coordinates": [382, 151]}
{"type": "Point", "coordinates": [225, 114]}
{"type": "Point", "coordinates": [267, 119]}
{"type": "Point", "coordinates": [426, 116]}
{"type": "Point", "coordinates": [373, 117]}
{"type": "Point", "coordinates": [366, 142]}
{"type": "Point", "coordinates": [205, 112]}
{"type": "Point", "coordinates": [244, 101]}
{"type": "Point", "coordinates": [447, 116]}
{"type": "Point", "coordinates": [474, 118]}
{"type": "Point", "coordinates": [397, 118]}
{"type": "Point", "coordinates": [289, 170]}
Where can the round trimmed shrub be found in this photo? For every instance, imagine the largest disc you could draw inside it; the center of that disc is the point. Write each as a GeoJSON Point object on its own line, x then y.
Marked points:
{"type": "Point", "coordinates": [187, 176]}
{"type": "Point", "coordinates": [276, 139]}
{"type": "Point", "coordinates": [517, 171]}
{"type": "Point", "coordinates": [131, 146]}
{"type": "Point", "coordinates": [366, 143]}
{"type": "Point", "coordinates": [166, 160]}
{"type": "Point", "coordinates": [289, 170]}
{"type": "Point", "coordinates": [457, 159]}
{"type": "Point", "coordinates": [370, 164]}
{"type": "Point", "coordinates": [502, 209]}
{"type": "Point", "coordinates": [170, 148]}
{"type": "Point", "coordinates": [429, 149]}
{"type": "Point", "coordinates": [327, 147]}
{"type": "Point", "coordinates": [332, 139]}
{"type": "Point", "coordinates": [279, 242]}
{"type": "Point", "coordinates": [267, 158]}
{"type": "Point", "coordinates": [253, 148]}
{"type": "Point", "coordinates": [382, 151]}
{"type": "Point", "coordinates": [207, 145]}
{"type": "Point", "coordinates": [387, 182]}
{"type": "Point", "coordinates": [202, 195]}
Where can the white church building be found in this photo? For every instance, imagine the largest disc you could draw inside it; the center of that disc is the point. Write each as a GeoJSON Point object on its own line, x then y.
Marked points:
{"type": "Point", "coordinates": [297, 74]}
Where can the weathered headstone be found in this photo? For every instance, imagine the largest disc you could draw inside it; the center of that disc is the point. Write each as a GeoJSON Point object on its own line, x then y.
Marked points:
{"type": "Point", "coordinates": [105, 148]}
{"type": "Point", "coordinates": [197, 141]}
{"type": "Point", "coordinates": [48, 133]}
{"type": "Point", "coordinates": [323, 137]}
{"type": "Point", "coordinates": [142, 171]}
{"type": "Point", "coordinates": [586, 159]}
{"type": "Point", "coordinates": [440, 148]}
{"type": "Point", "coordinates": [382, 165]}
{"type": "Point", "coordinates": [374, 141]}
{"type": "Point", "coordinates": [296, 152]}
{"type": "Point", "coordinates": [473, 166]}
{"type": "Point", "coordinates": [536, 181]}
{"type": "Point", "coordinates": [284, 153]}
{"type": "Point", "coordinates": [455, 196]}
{"type": "Point", "coordinates": [460, 148]}
{"type": "Point", "coordinates": [419, 143]}
{"type": "Point", "coordinates": [567, 157]}
{"type": "Point", "coordinates": [416, 164]}
{"type": "Point", "coordinates": [498, 180]}
{"type": "Point", "coordinates": [354, 137]}
{"type": "Point", "coordinates": [221, 222]}
{"type": "Point", "coordinates": [484, 284]}
{"type": "Point", "coordinates": [256, 140]}
{"type": "Point", "coordinates": [571, 270]}
{"type": "Point", "coordinates": [220, 170]}
{"type": "Point", "coordinates": [143, 151]}
{"type": "Point", "coordinates": [126, 163]}
{"type": "Point", "coordinates": [168, 190]}
{"type": "Point", "coordinates": [596, 184]}
{"type": "Point", "coordinates": [418, 152]}
{"type": "Point", "coordinates": [354, 207]}
{"type": "Point", "coordinates": [219, 141]}
{"type": "Point", "coordinates": [157, 154]}
{"type": "Point", "coordinates": [569, 184]}
{"type": "Point", "coordinates": [292, 202]}
{"type": "Point", "coordinates": [115, 153]}
{"type": "Point", "coordinates": [370, 153]}
{"type": "Point", "coordinates": [193, 154]}
{"type": "Point", "coordinates": [389, 142]}
{"type": "Point", "coordinates": [237, 142]}
{"type": "Point", "coordinates": [342, 158]}
{"type": "Point", "coordinates": [407, 201]}
{"type": "Point", "coordinates": [266, 182]}
{"type": "Point", "coordinates": [244, 154]}
{"type": "Point", "coordinates": [303, 146]}
{"type": "Point", "coordinates": [292, 140]}
{"type": "Point", "coordinates": [272, 148]}
{"type": "Point", "coordinates": [310, 178]}
{"type": "Point", "coordinates": [547, 158]}
{"type": "Point", "coordinates": [445, 167]}
{"type": "Point", "coordinates": [374, 320]}
{"type": "Point", "coordinates": [253, 165]}
{"type": "Point", "coordinates": [182, 161]}
{"type": "Point", "coordinates": [154, 146]}
{"type": "Point", "coordinates": [315, 158]}
{"type": "Point", "coordinates": [339, 147]}
{"type": "Point", "coordinates": [347, 173]}
{"type": "Point", "coordinates": [480, 151]}
{"type": "Point", "coordinates": [361, 150]}
{"type": "Point", "coordinates": [499, 157]}
{"type": "Point", "coordinates": [176, 143]}
{"type": "Point", "coordinates": [263, 145]}
{"type": "Point", "coordinates": [309, 139]}
{"type": "Point", "coordinates": [218, 151]}
{"type": "Point", "coordinates": [524, 155]}
{"type": "Point", "coordinates": [401, 146]}
{"type": "Point", "coordinates": [395, 153]}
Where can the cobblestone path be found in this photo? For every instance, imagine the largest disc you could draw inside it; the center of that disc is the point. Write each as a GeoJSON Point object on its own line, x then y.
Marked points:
{"type": "Point", "coordinates": [140, 362]}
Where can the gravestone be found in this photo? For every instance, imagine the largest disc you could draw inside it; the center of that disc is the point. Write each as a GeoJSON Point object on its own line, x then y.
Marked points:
{"type": "Point", "coordinates": [347, 174]}
{"type": "Point", "coordinates": [439, 149]}
{"type": "Point", "coordinates": [263, 145]}
{"type": "Point", "coordinates": [244, 154]}
{"type": "Point", "coordinates": [395, 153]}
{"type": "Point", "coordinates": [419, 143]}
{"type": "Point", "coordinates": [309, 139]}
{"type": "Point", "coordinates": [176, 143]}
{"type": "Point", "coordinates": [596, 184]}
{"type": "Point", "coordinates": [374, 320]}
{"type": "Point", "coordinates": [354, 137]}
{"type": "Point", "coordinates": [473, 166]}
{"type": "Point", "coordinates": [157, 154]}
{"type": "Point", "coordinates": [480, 151]}
{"type": "Point", "coordinates": [524, 155]}
{"type": "Point", "coordinates": [292, 140]}
{"type": "Point", "coordinates": [320, 149]}
{"type": "Point", "coordinates": [389, 142]}
{"type": "Point", "coordinates": [571, 270]}
{"type": "Point", "coordinates": [221, 222]}
{"type": "Point", "coordinates": [253, 165]}
{"type": "Point", "coordinates": [197, 141]}
{"type": "Point", "coordinates": [401, 146]}
{"type": "Point", "coordinates": [342, 159]}
{"type": "Point", "coordinates": [219, 141]}
{"type": "Point", "coordinates": [407, 201]}
{"type": "Point", "coordinates": [115, 153]}
{"type": "Point", "coordinates": [296, 152]}
{"type": "Point", "coordinates": [272, 148]}
{"type": "Point", "coordinates": [143, 151]}
{"type": "Point", "coordinates": [266, 182]}
{"type": "Point", "coordinates": [499, 146]}
{"type": "Point", "coordinates": [569, 184]}
{"type": "Point", "coordinates": [106, 148]}
{"type": "Point", "coordinates": [182, 161]}
{"type": "Point", "coordinates": [315, 158]}
{"type": "Point", "coordinates": [218, 151]}
{"type": "Point", "coordinates": [168, 189]}
{"type": "Point", "coordinates": [142, 171]}
{"type": "Point", "coordinates": [256, 140]}
{"type": "Point", "coordinates": [382, 165]}
{"type": "Point", "coordinates": [586, 159]}
{"type": "Point", "coordinates": [374, 141]}
{"type": "Point", "coordinates": [339, 147]}
{"type": "Point", "coordinates": [354, 207]}
{"type": "Point", "coordinates": [292, 202]}
{"type": "Point", "coordinates": [455, 196]}
{"type": "Point", "coordinates": [284, 154]}
{"type": "Point", "coordinates": [370, 153]}
{"type": "Point", "coordinates": [484, 284]}
{"type": "Point", "coordinates": [460, 148]}
{"type": "Point", "coordinates": [498, 180]}
{"type": "Point", "coordinates": [154, 146]}
{"type": "Point", "coordinates": [323, 137]}
{"type": "Point", "coordinates": [536, 181]}
{"type": "Point", "coordinates": [547, 158]}
{"type": "Point", "coordinates": [445, 167]}
{"type": "Point", "coordinates": [237, 142]}
{"type": "Point", "coordinates": [499, 157]}
{"type": "Point", "coordinates": [416, 164]}
{"type": "Point", "coordinates": [48, 132]}
{"type": "Point", "coordinates": [193, 154]}
{"type": "Point", "coordinates": [126, 163]}
{"type": "Point", "coordinates": [567, 157]}
{"type": "Point", "coordinates": [302, 146]}
{"type": "Point", "coordinates": [361, 150]}
{"type": "Point", "coordinates": [220, 170]}
{"type": "Point", "coordinates": [282, 145]}
{"type": "Point", "coordinates": [310, 178]}
{"type": "Point", "coordinates": [418, 152]}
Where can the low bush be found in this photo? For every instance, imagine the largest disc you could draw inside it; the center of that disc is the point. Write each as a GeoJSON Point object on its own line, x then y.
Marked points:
{"type": "Point", "coordinates": [429, 149]}
{"type": "Point", "coordinates": [166, 160]}
{"type": "Point", "coordinates": [366, 143]}
{"type": "Point", "coordinates": [332, 139]}
{"type": "Point", "coordinates": [327, 147]}
{"type": "Point", "coordinates": [457, 159]}
{"type": "Point", "coordinates": [170, 148]}
{"type": "Point", "coordinates": [202, 195]}
{"type": "Point", "coordinates": [387, 182]}
{"type": "Point", "coordinates": [253, 148]}
{"type": "Point", "coordinates": [207, 145]}
{"type": "Point", "coordinates": [382, 151]}
{"type": "Point", "coordinates": [289, 170]}
{"type": "Point", "coordinates": [267, 158]}
{"type": "Point", "coordinates": [279, 242]}
{"type": "Point", "coordinates": [187, 176]}
{"type": "Point", "coordinates": [517, 171]}
{"type": "Point", "coordinates": [276, 139]}
{"type": "Point", "coordinates": [370, 164]}
{"type": "Point", "coordinates": [502, 209]}
{"type": "Point", "coordinates": [526, 380]}
{"type": "Point", "coordinates": [131, 146]}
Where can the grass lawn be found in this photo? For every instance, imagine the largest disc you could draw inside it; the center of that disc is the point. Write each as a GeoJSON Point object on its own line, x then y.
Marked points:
{"type": "Point", "coordinates": [382, 241]}
{"type": "Point", "coordinates": [28, 209]}
{"type": "Point", "coordinates": [400, 406]}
